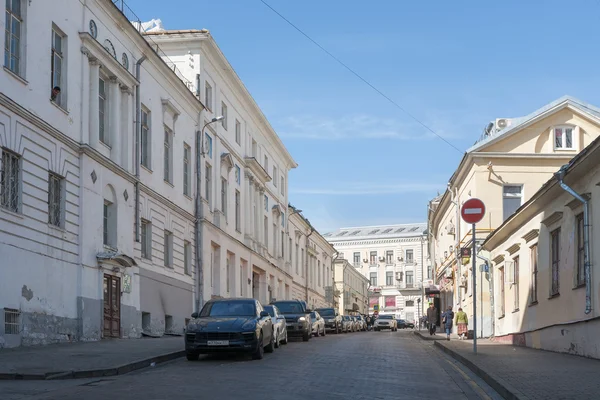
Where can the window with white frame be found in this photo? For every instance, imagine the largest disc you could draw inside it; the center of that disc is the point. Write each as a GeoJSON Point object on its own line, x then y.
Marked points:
{"type": "Point", "coordinates": [409, 279]}
{"type": "Point", "coordinates": [275, 176]}
{"type": "Point", "coordinates": [563, 138]}
{"type": "Point", "coordinates": [266, 232]}
{"type": "Point", "coordinates": [208, 183]}
{"type": "Point", "coordinates": [224, 114]}
{"type": "Point", "coordinates": [274, 239]}
{"type": "Point", "coordinates": [55, 199]}
{"type": "Point", "coordinates": [168, 249]}
{"type": "Point", "coordinates": [254, 149]}
{"type": "Point", "coordinates": [168, 156]}
{"type": "Point", "coordinates": [389, 278]}
{"type": "Point", "coordinates": [512, 197]}
{"type": "Point", "coordinates": [109, 225]}
{"type": "Point", "coordinates": [208, 95]}
{"type": "Point", "coordinates": [516, 283]}
{"type": "Point", "coordinates": [207, 145]}
{"type": "Point", "coordinates": [187, 257]}
{"type": "Point", "coordinates": [238, 132]}
{"type": "Point", "coordinates": [10, 180]}
{"type": "Point", "coordinates": [146, 239]}
{"type": "Point", "coordinates": [224, 196]}
{"type": "Point", "coordinates": [58, 65]}
{"type": "Point", "coordinates": [580, 240]}
{"type": "Point", "coordinates": [266, 164]}
{"type": "Point", "coordinates": [282, 188]}
{"type": "Point", "coordinates": [282, 244]}
{"type": "Point", "coordinates": [555, 262]}
{"type": "Point", "coordinates": [145, 139]}
{"type": "Point", "coordinates": [373, 278]}
{"type": "Point", "coordinates": [187, 166]}
{"type": "Point", "coordinates": [13, 30]}
{"type": "Point", "coordinates": [103, 111]}
{"type": "Point", "coordinates": [410, 256]}
{"type": "Point", "coordinates": [238, 209]}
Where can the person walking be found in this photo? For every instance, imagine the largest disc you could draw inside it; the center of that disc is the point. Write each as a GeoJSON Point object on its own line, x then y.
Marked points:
{"type": "Point", "coordinates": [432, 319]}
{"type": "Point", "coordinates": [462, 323]}
{"type": "Point", "coordinates": [447, 319]}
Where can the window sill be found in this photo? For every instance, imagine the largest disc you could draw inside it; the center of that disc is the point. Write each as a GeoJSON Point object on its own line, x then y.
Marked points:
{"type": "Point", "coordinates": [109, 248]}
{"type": "Point", "coordinates": [187, 196]}
{"type": "Point", "coordinates": [565, 149]}
{"type": "Point", "coordinates": [553, 296]}
{"type": "Point", "coordinates": [16, 76]}
{"type": "Point", "coordinates": [516, 310]}
{"type": "Point", "coordinates": [59, 107]}
{"type": "Point", "coordinates": [13, 213]}
{"type": "Point", "coordinates": [105, 145]}
{"type": "Point", "coordinates": [533, 303]}
{"type": "Point", "coordinates": [146, 168]}
{"type": "Point", "coordinates": [57, 228]}
{"type": "Point", "coordinates": [168, 183]}
{"type": "Point", "coordinates": [579, 286]}
{"type": "Point", "coordinates": [501, 317]}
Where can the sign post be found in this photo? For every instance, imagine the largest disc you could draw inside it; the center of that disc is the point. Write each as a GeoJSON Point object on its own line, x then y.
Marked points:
{"type": "Point", "coordinates": [472, 212]}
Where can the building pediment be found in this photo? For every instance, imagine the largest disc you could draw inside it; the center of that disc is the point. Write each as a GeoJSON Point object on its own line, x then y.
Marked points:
{"type": "Point", "coordinates": [276, 209]}
{"type": "Point", "coordinates": [574, 204]}
{"type": "Point", "coordinates": [116, 257]}
{"type": "Point", "coordinates": [94, 50]}
{"type": "Point", "coordinates": [532, 234]}
{"type": "Point", "coordinates": [553, 218]}
{"type": "Point", "coordinates": [227, 161]}
{"type": "Point", "coordinates": [257, 169]}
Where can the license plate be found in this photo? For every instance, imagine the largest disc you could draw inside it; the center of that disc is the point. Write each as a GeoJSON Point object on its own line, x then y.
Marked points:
{"type": "Point", "coordinates": [218, 343]}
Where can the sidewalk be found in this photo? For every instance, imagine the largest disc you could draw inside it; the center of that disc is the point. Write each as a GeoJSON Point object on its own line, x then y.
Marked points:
{"type": "Point", "coordinates": [89, 359]}
{"type": "Point", "coordinates": [525, 373]}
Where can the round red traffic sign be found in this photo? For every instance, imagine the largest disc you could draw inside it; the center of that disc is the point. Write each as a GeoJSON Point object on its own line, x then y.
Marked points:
{"type": "Point", "coordinates": [472, 211]}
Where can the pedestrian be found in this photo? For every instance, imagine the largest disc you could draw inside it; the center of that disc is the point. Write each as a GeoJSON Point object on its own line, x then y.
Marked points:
{"type": "Point", "coordinates": [447, 319]}
{"type": "Point", "coordinates": [462, 323]}
{"type": "Point", "coordinates": [432, 318]}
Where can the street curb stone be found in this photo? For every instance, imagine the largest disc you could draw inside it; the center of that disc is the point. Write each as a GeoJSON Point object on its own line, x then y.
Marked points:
{"type": "Point", "coordinates": [94, 373]}
{"type": "Point", "coordinates": [499, 385]}
{"type": "Point", "coordinates": [423, 337]}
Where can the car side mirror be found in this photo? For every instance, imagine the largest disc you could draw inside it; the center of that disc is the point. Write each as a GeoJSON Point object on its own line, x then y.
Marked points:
{"type": "Point", "coordinates": [264, 314]}
{"type": "Point", "coordinates": [195, 315]}
{"type": "Point", "coordinates": [308, 310]}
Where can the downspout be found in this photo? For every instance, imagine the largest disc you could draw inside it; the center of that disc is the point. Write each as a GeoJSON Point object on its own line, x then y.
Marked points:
{"type": "Point", "coordinates": [492, 308]}
{"type": "Point", "coordinates": [586, 236]}
{"type": "Point", "coordinates": [199, 215]}
{"type": "Point", "coordinates": [138, 130]}
{"type": "Point", "coordinates": [457, 245]}
{"type": "Point", "coordinates": [420, 305]}
{"type": "Point", "coordinates": [312, 230]}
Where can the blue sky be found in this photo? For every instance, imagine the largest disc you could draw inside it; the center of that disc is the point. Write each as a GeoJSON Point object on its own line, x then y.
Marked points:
{"type": "Point", "coordinates": [453, 65]}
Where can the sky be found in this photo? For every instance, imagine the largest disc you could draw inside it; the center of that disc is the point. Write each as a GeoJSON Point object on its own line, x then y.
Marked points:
{"type": "Point", "coordinates": [455, 66]}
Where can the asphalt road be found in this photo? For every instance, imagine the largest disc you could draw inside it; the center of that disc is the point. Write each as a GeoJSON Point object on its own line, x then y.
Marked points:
{"type": "Point", "coordinates": [362, 365]}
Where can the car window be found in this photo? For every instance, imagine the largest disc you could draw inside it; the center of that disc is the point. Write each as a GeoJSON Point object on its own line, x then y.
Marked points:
{"type": "Point", "coordinates": [326, 312]}
{"type": "Point", "coordinates": [385, 317]}
{"type": "Point", "coordinates": [270, 310]}
{"type": "Point", "coordinates": [229, 309]}
{"type": "Point", "coordinates": [313, 315]}
{"type": "Point", "coordinates": [290, 308]}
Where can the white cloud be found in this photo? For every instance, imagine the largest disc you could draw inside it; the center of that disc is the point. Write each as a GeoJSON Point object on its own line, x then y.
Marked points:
{"type": "Point", "coordinates": [361, 189]}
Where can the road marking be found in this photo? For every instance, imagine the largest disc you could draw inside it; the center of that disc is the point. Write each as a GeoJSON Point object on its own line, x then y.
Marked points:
{"type": "Point", "coordinates": [471, 383]}
{"type": "Point", "coordinates": [473, 211]}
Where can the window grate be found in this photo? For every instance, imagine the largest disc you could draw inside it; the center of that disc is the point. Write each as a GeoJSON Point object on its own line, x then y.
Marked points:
{"type": "Point", "coordinates": [9, 181]}
{"type": "Point", "coordinates": [54, 200]}
{"type": "Point", "coordinates": [11, 321]}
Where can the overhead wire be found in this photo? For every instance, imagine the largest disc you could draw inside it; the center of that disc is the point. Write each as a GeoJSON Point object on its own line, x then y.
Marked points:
{"type": "Point", "coordinates": [360, 77]}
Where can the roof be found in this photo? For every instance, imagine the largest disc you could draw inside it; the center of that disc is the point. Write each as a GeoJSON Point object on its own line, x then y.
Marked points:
{"type": "Point", "coordinates": [380, 231]}
{"type": "Point", "coordinates": [517, 123]}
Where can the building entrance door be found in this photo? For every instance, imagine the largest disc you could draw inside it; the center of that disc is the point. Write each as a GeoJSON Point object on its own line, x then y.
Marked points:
{"type": "Point", "coordinates": [112, 306]}
{"type": "Point", "coordinates": [255, 285]}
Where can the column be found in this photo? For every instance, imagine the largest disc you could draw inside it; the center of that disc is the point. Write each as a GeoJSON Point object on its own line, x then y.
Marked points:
{"type": "Point", "coordinates": [94, 118]}
{"type": "Point", "coordinates": [249, 181]}
{"type": "Point", "coordinates": [114, 116]}
{"type": "Point", "coordinates": [126, 128]}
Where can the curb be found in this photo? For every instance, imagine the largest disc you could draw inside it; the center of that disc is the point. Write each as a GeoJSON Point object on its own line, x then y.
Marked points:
{"type": "Point", "coordinates": [95, 373]}
{"type": "Point", "coordinates": [423, 337]}
{"type": "Point", "coordinates": [499, 385]}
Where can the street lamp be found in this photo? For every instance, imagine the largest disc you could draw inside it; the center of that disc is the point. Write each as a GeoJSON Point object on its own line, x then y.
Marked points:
{"type": "Point", "coordinates": [199, 212]}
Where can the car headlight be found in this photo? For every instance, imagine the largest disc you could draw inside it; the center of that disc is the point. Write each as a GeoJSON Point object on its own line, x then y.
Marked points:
{"type": "Point", "coordinates": [249, 326]}
{"type": "Point", "coordinates": [301, 319]}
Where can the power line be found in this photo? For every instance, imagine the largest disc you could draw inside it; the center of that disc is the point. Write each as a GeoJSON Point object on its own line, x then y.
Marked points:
{"type": "Point", "coordinates": [361, 78]}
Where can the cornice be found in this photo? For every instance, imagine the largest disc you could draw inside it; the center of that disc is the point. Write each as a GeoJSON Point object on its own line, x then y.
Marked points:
{"type": "Point", "coordinates": [575, 204]}
{"type": "Point", "coordinates": [553, 218]}
{"type": "Point", "coordinates": [376, 241]}
{"type": "Point", "coordinates": [532, 234]}
{"type": "Point", "coordinates": [257, 169]}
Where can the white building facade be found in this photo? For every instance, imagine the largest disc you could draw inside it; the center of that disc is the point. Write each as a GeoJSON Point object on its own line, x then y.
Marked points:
{"type": "Point", "coordinates": [394, 260]}
{"type": "Point", "coordinates": [351, 289]}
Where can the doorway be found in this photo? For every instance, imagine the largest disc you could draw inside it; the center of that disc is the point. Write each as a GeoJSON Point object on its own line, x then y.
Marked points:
{"type": "Point", "coordinates": [255, 285]}
{"type": "Point", "coordinates": [112, 306]}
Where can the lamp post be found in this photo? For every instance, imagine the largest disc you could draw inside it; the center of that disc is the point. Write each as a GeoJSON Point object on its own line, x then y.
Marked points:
{"type": "Point", "coordinates": [419, 312]}
{"type": "Point", "coordinates": [199, 214]}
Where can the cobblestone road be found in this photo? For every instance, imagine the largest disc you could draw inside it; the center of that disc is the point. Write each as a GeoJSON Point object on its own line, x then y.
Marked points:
{"type": "Point", "coordinates": [363, 365]}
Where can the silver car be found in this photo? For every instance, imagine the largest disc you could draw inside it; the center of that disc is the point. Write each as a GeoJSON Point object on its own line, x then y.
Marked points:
{"type": "Point", "coordinates": [279, 328]}
{"type": "Point", "coordinates": [318, 324]}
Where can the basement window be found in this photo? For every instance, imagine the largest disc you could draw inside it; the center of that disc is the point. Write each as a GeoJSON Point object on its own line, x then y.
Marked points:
{"type": "Point", "coordinates": [11, 321]}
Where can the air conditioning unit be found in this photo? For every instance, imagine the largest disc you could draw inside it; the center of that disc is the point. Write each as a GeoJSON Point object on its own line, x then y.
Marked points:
{"type": "Point", "coordinates": [450, 229]}
{"type": "Point", "coordinates": [400, 259]}
{"type": "Point", "coordinates": [381, 259]}
{"type": "Point", "coordinates": [502, 123]}
{"type": "Point", "coordinates": [365, 260]}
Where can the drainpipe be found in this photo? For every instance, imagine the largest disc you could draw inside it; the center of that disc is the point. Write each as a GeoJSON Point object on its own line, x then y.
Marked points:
{"type": "Point", "coordinates": [560, 175]}
{"type": "Point", "coordinates": [199, 211]}
{"type": "Point", "coordinates": [492, 308]}
{"type": "Point", "coordinates": [333, 259]}
{"type": "Point", "coordinates": [312, 230]}
{"type": "Point", "coordinates": [138, 130]}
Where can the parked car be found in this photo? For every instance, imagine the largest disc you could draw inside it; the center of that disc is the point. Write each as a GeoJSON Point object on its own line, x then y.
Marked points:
{"type": "Point", "coordinates": [333, 320]}
{"type": "Point", "coordinates": [362, 324]}
{"type": "Point", "coordinates": [297, 318]}
{"type": "Point", "coordinates": [318, 324]}
{"type": "Point", "coordinates": [230, 325]}
{"type": "Point", "coordinates": [347, 324]}
{"type": "Point", "coordinates": [386, 322]}
{"type": "Point", "coordinates": [278, 324]}
{"type": "Point", "coordinates": [403, 324]}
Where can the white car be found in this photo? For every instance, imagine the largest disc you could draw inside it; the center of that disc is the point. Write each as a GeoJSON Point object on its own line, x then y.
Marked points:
{"type": "Point", "coordinates": [279, 327]}
{"type": "Point", "coordinates": [386, 322]}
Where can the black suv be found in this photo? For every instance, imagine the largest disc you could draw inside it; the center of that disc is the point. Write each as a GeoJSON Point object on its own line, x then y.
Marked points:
{"type": "Point", "coordinates": [297, 318]}
{"type": "Point", "coordinates": [333, 319]}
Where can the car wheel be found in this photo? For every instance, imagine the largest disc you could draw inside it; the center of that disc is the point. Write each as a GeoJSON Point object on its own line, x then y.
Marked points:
{"type": "Point", "coordinates": [277, 340]}
{"type": "Point", "coordinates": [271, 346]}
{"type": "Point", "coordinates": [192, 356]}
{"type": "Point", "coordinates": [285, 340]}
{"type": "Point", "coordinates": [306, 336]}
{"type": "Point", "coordinates": [259, 353]}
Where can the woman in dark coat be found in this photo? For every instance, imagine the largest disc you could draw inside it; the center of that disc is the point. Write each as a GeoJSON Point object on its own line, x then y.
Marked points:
{"type": "Point", "coordinates": [447, 319]}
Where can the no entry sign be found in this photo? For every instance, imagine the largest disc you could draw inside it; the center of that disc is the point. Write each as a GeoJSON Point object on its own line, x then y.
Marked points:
{"type": "Point", "coordinates": [472, 211]}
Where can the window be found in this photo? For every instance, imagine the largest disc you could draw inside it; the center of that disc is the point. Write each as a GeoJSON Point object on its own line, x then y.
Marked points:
{"type": "Point", "coordinates": [410, 303]}
{"type": "Point", "coordinates": [266, 164]}
{"type": "Point", "coordinates": [254, 149]}
{"type": "Point", "coordinates": [238, 132]}
{"type": "Point", "coordinates": [275, 176]}
{"type": "Point", "coordinates": [266, 199]}
{"type": "Point", "coordinates": [356, 259]}
{"type": "Point", "coordinates": [238, 175]}
{"type": "Point", "coordinates": [409, 256]}
{"type": "Point", "coordinates": [207, 145]}
{"type": "Point", "coordinates": [168, 249]}
{"type": "Point", "coordinates": [373, 258]}
{"type": "Point", "coordinates": [502, 284]}
{"type": "Point", "coordinates": [187, 183]}
{"type": "Point", "coordinates": [290, 249]}
{"type": "Point", "coordinates": [58, 43]}
{"type": "Point", "coordinates": [274, 239]}
{"type": "Point", "coordinates": [534, 274]}
{"type": "Point", "coordinates": [12, 40]}
{"type": "Point", "coordinates": [511, 199]}
{"type": "Point", "coordinates": [516, 283]}
{"type": "Point", "coordinates": [282, 186]}
{"type": "Point", "coordinates": [283, 220]}
{"type": "Point", "coordinates": [238, 215]}
{"type": "Point", "coordinates": [297, 264]}
{"type": "Point", "coordinates": [208, 95]}
{"type": "Point", "coordinates": [410, 279]}
{"type": "Point", "coordinates": [10, 175]}
{"type": "Point", "coordinates": [266, 232]}
{"type": "Point", "coordinates": [187, 258]}
{"type": "Point", "coordinates": [102, 111]}
{"type": "Point", "coordinates": [224, 196]}
{"type": "Point", "coordinates": [302, 261]}
{"type": "Point", "coordinates": [12, 324]}
{"type": "Point", "coordinates": [145, 139]}
{"type": "Point", "coordinates": [146, 239]}
{"type": "Point", "coordinates": [373, 278]}
{"type": "Point", "coordinates": [580, 277]}
{"type": "Point", "coordinates": [555, 259]}
{"type": "Point", "coordinates": [228, 271]}
{"type": "Point", "coordinates": [389, 278]}
{"type": "Point", "coordinates": [563, 138]}
{"type": "Point", "coordinates": [224, 114]}
{"type": "Point", "coordinates": [282, 244]}
{"type": "Point", "coordinates": [109, 224]}
{"type": "Point", "coordinates": [207, 183]}
{"type": "Point", "coordinates": [389, 257]}
{"type": "Point", "coordinates": [168, 167]}
{"type": "Point", "coordinates": [55, 199]}
{"type": "Point", "coordinates": [429, 272]}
